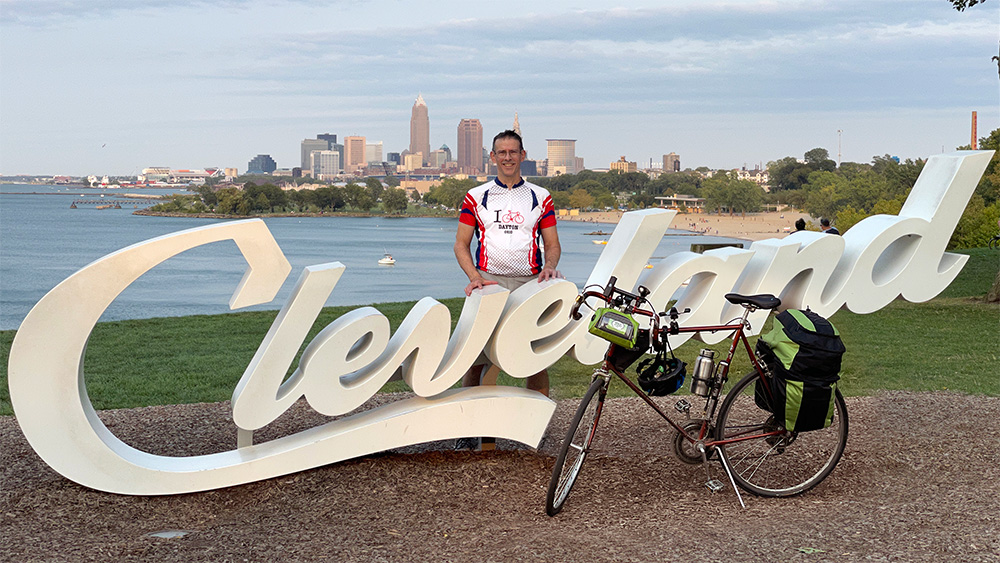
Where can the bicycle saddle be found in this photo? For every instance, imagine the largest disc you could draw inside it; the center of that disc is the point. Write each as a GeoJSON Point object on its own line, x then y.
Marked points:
{"type": "Point", "coordinates": [762, 301]}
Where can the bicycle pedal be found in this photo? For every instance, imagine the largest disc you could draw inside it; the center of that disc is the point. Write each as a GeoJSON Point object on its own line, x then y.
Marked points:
{"type": "Point", "coordinates": [714, 485]}
{"type": "Point", "coordinates": [682, 405]}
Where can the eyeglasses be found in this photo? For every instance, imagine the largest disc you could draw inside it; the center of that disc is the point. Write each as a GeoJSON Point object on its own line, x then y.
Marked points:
{"type": "Point", "coordinates": [506, 154]}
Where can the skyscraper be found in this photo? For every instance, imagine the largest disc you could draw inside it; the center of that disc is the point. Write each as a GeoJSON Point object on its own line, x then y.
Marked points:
{"type": "Point", "coordinates": [420, 129]}
{"type": "Point", "coordinates": [562, 156]}
{"type": "Point", "coordinates": [470, 146]}
{"type": "Point", "coordinates": [310, 145]}
{"type": "Point", "coordinates": [354, 159]}
{"type": "Point", "coordinates": [517, 126]}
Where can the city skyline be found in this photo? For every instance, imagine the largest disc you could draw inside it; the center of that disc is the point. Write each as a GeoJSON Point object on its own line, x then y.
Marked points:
{"type": "Point", "coordinates": [723, 83]}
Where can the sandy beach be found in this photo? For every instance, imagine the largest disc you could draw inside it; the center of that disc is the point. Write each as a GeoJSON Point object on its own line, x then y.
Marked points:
{"type": "Point", "coordinates": [752, 226]}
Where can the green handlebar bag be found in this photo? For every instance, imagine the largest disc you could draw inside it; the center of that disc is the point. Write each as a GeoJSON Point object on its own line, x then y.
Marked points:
{"type": "Point", "coordinates": [615, 327]}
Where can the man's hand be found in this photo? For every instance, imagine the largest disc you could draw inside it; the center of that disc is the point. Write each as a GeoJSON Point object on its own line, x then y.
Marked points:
{"type": "Point", "coordinates": [477, 283]}
{"type": "Point", "coordinates": [549, 274]}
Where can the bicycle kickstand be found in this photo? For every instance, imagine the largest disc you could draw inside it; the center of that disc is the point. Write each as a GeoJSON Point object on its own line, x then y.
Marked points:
{"type": "Point", "coordinates": [713, 484]}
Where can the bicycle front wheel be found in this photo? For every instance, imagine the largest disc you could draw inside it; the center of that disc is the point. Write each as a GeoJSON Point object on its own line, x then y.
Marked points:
{"type": "Point", "coordinates": [575, 446]}
{"type": "Point", "coordinates": [780, 465]}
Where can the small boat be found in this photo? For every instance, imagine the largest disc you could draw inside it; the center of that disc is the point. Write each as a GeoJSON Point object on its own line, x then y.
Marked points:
{"type": "Point", "coordinates": [600, 242]}
{"type": "Point", "coordinates": [387, 260]}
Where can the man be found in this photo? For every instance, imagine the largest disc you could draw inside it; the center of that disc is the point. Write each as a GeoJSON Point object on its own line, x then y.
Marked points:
{"type": "Point", "coordinates": [507, 216]}
{"type": "Point", "coordinates": [824, 225]}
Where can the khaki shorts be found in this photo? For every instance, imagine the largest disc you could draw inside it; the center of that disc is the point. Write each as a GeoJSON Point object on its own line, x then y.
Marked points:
{"type": "Point", "coordinates": [509, 283]}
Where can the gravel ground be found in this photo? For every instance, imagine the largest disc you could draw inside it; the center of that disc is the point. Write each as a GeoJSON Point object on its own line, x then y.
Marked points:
{"type": "Point", "coordinates": [919, 482]}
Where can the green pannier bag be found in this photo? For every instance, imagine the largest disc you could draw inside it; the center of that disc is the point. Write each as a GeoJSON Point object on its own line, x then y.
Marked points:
{"type": "Point", "coordinates": [804, 352]}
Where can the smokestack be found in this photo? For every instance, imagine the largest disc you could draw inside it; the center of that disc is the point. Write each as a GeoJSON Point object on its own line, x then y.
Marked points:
{"type": "Point", "coordinates": [973, 143]}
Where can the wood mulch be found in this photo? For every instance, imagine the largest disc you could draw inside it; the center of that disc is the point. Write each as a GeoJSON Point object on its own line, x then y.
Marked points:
{"type": "Point", "coordinates": [920, 481]}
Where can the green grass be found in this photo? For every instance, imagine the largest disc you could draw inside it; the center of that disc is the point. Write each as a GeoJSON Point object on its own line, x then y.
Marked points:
{"type": "Point", "coordinates": [950, 342]}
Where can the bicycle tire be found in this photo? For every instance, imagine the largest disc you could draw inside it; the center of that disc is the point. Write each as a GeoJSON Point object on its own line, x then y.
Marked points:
{"type": "Point", "coordinates": [780, 466]}
{"type": "Point", "coordinates": [575, 446]}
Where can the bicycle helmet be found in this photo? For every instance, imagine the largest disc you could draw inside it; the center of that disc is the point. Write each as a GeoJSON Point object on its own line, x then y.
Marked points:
{"type": "Point", "coordinates": [660, 375]}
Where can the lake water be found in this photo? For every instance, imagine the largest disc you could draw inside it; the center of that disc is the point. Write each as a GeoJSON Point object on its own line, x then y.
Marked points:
{"type": "Point", "coordinates": [43, 241]}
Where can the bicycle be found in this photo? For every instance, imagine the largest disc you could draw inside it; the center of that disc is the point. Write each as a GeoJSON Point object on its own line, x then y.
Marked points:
{"type": "Point", "coordinates": [756, 452]}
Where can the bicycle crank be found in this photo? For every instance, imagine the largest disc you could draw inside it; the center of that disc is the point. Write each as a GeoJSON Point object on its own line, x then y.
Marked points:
{"type": "Point", "coordinates": [687, 451]}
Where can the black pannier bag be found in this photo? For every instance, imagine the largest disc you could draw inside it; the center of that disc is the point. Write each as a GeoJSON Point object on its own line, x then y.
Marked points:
{"type": "Point", "coordinates": [803, 352]}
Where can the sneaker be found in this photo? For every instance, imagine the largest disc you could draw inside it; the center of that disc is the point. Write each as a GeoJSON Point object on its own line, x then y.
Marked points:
{"type": "Point", "coordinates": [466, 444]}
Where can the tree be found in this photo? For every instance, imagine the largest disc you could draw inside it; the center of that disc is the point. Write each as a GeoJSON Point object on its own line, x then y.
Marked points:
{"type": "Point", "coordinates": [394, 200]}
{"type": "Point", "coordinates": [581, 199]}
{"type": "Point", "coordinates": [415, 196]}
{"type": "Point", "coordinates": [450, 192]}
{"type": "Point", "coordinates": [365, 201]}
{"type": "Point", "coordinates": [961, 5]}
{"type": "Point", "coordinates": [726, 191]}
{"type": "Point", "coordinates": [560, 200]}
{"type": "Point", "coordinates": [375, 188]}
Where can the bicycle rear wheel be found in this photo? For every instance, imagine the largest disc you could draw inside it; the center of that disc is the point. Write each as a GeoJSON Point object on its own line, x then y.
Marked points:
{"type": "Point", "coordinates": [575, 446]}
{"type": "Point", "coordinates": [782, 465]}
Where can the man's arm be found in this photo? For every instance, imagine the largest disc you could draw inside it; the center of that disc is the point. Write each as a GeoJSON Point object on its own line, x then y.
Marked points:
{"type": "Point", "coordinates": [463, 238]}
{"type": "Point", "coordinates": [552, 253]}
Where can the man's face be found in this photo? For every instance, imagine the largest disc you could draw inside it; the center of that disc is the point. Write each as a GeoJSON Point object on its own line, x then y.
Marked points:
{"type": "Point", "coordinates": [507, 155]}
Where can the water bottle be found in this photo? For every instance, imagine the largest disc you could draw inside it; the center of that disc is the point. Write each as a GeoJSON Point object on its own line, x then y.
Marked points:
{"type": "Point", "coordinates": [704, 367]}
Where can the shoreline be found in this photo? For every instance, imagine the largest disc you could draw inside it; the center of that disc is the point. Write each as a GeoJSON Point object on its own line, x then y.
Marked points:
{"type": "Point", "coordinates": [752, 226]}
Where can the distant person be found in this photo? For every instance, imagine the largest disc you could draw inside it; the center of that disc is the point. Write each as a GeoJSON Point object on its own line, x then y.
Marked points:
{"type": "Point", "coordinates": [509, 217]}
{"type": "Point", "coordinates": [824, 225]}
{"type": "Point", "coordinates": [800, 224]}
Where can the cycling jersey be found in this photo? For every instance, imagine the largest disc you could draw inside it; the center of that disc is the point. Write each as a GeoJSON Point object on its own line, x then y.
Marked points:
{"type": "Point", "coordinates": [508, 224]}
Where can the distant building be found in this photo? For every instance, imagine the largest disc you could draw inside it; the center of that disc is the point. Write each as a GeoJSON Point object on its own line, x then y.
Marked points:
{"type": "Point", "coordinates": [261, 164]}
{"type": "Point", "coordinates": [310, 145]}
{"type": "Point", "coordinates": [758, 176]}
{"type": "Point", "coordinates": [447, 152]}
{"type": "Point", "coordinates": [671, 162]}
{"type": "Point", "coordinates": [332, 139]}
{"type": "Point", "coordinates": [437, 159]}
{"type": "Point", "coordinates": [393, 157]}
{"type": "Point", "coordinates": [517, 125]}
{"type": "Point", "coordinates": [683, 202]}
{"type": "Point", "coordinates": [420, 128]}
{"type": "Point", "coordinates": [529, 168]}
{"type": "Point", "coordinates": [470, 146]}
{"type": "Point", "coordinates": [354, 154]}
{"type": "Point", "coordinates": [325, 164]}
{"type": "Point", "coordinates": [373, 152]}
{"type": "Point", "coordinates": [561, 156]}
{"type": "Point", "coordinates": [622, 166]}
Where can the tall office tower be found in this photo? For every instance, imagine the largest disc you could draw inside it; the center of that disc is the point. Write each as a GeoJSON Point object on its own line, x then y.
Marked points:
{"type": "Point", "coordinates": [373, 152]}
{"type": "Point", "coordinates": [310, 145]}
{"type": "Point", "coordinates": [332, 139]}
{"type": "Point", "coordinates": [325, 163]}
{"type": "Point", "coordinates": [420, 129]}
{"type": "Point", "coordinates": [354, 158]}
{"type": "Point", "coordinates": [447, 152]}
{"type": "Point", "coordinates": [393, 157]}
{"type": "Point", "coordinates": [261, 164]}
{"type": "Point", "coordinates": [672, 162]}
{"type": "Point", "coordinates": [517, 126]}
{"type": "Point", "coordinates": [470, 146]}
{"type": "Point", "coordinates": [562, 156]}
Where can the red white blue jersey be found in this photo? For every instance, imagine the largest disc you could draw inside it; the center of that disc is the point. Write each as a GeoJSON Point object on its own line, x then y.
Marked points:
{"type": "Point", "coordinates": [508, 223]}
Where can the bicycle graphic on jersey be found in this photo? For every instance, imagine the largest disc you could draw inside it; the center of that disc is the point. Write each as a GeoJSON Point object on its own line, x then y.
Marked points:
{"type": "Point", "coordinates": [510, 217]}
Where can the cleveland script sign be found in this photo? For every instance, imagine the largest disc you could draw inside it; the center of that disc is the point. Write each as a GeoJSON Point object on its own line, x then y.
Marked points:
{"type": "Point", "coordinates": [876, 261]}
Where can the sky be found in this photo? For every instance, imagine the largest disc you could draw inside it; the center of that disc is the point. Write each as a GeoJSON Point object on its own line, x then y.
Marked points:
{"type": "Point", "coordinates": [110, 87]}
